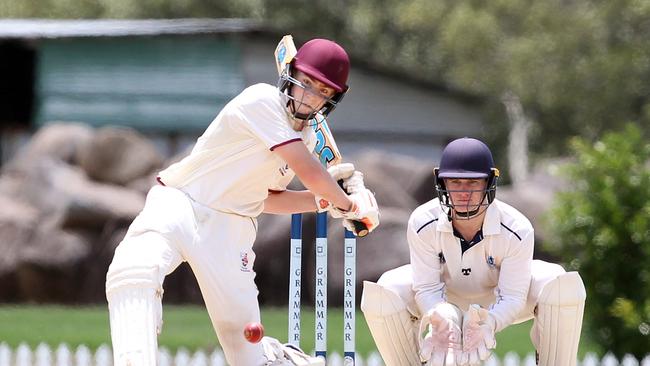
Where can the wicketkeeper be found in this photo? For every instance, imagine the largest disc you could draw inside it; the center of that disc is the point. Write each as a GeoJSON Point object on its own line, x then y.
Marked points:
{"type": "Point", "coordinates": [471, 275]}
{"type": "Point", "coordinates": [204, 211]}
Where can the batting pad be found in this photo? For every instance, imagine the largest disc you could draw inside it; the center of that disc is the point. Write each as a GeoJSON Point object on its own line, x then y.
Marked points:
{"type": "Point", "coordinates": [558, 323]}
{"type": "Point", "coordinates": [391, 325]}
{"type": "Point", "coordinates": [135, 306]}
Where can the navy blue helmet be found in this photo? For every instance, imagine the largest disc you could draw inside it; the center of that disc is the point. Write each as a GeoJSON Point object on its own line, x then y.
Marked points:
{"type": "Point", "coordinates": [466, 158]}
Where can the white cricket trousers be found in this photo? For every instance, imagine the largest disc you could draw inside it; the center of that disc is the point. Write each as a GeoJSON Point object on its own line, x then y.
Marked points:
{"type": "Point", "coordinates": [218, 246]}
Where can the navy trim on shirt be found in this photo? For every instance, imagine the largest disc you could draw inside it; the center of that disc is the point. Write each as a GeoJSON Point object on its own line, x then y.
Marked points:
{"type": "Point", "coordinates": [510, 230]}
{"type": "Point", "coordinates": [422, 227]}
{"type": "Point", "coordinates": [464, 244]}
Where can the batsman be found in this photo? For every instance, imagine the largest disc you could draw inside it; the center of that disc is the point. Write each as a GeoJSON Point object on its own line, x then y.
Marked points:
{"type": "Point", "coordinates": [471, 274]}
{"type": "Point", "coordinates": [204, 210]}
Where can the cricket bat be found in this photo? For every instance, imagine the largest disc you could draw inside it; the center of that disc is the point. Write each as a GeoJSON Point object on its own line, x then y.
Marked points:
{"type": "Point", "coordinates": [284, 53]}
{"type": "Point", "coordinates": [326, 150]}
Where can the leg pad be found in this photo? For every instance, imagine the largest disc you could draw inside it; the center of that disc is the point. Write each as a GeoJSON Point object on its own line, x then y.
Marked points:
{"type": "Point", "coordinates": [392, 326]}
{"type": "Point", "coordinates": [558, 320]}
{"type": "Point", "coordinates": [135, 306]}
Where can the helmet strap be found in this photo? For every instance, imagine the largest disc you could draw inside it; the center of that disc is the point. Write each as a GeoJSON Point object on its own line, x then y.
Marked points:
{"type": "Point", "coordinates": [468, 215]}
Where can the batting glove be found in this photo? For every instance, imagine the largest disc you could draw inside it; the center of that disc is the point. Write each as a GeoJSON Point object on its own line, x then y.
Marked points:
{"type": "Point", "coordinates": [478, 335]}
{"type": "Point", "coordinates": [354, 183]}
{"type": "Point", "coordinates": [364, 209]}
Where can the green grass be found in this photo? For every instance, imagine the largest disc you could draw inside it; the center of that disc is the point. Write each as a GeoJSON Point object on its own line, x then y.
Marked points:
{"type": "Point", "coordinates": [190, 327]}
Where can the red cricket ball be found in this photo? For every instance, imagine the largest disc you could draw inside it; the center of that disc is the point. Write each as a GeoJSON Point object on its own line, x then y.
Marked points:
{"type": "Point", "coordinates": [253, 332]}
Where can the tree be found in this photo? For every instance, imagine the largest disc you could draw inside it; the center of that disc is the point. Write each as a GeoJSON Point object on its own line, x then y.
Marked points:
{"type": "Point", "coordinates": [602, 228]}
{"type": "Point", "coordinates": [578, 67]}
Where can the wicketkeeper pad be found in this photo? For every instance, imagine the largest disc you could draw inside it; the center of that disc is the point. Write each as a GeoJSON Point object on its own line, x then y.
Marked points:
{"type": "Point", "coordinates": [391, 325]}
{"type": "Point", "coordinates": [557, 326]}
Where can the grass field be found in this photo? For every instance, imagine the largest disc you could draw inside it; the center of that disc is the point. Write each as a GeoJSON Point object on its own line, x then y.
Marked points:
{"type": "Point", "coordinates": [189, 327]}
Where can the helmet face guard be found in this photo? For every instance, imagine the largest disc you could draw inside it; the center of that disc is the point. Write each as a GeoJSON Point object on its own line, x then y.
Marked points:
{"type": "Point", "coordinates": [322, 60]}
{"type": "Point", "coordinates": [284, 84]}
{"type": "Point", "coordinates": [469, 211]}
{"type": "Point", "coordinates": [466, 158]}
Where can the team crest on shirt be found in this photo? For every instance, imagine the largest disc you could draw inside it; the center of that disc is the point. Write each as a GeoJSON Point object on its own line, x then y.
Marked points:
{"type": "Point", "coordinates": [284, 169]}
{"type": "Point", "coordinates": [491, 263]}
{"type": "Point", "coordinates": [441, 258]}
{"type": "Point", "coordinates": [244, 262]}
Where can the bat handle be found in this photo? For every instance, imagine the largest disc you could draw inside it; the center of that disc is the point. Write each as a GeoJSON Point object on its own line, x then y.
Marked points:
{"type": "Point", "coordinates": [360, 228]}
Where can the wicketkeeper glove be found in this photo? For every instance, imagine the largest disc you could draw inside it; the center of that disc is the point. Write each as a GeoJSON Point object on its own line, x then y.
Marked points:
{"type": "Point", "coordinates": [478, 335]}
{"type": "Point", "coordinates": [441, 344]}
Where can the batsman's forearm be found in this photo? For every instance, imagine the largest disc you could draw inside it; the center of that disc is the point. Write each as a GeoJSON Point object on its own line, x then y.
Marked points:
{"type": "Point", "coordinates": [324, 186]}
{"type": "Point", "coordinates": [312, 174]}
{"type": "Point", "coordinates": [289, 202]}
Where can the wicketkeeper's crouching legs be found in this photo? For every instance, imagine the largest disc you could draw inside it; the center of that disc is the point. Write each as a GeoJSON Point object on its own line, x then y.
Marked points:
{"type": "Point", "coordinates": [560, 302]}
{"type": "Point", "coordinates": [393, 327]}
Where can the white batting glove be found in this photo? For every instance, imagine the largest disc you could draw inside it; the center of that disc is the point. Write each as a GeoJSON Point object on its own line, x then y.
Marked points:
{"type": "Point", "coordinates": [478, 335]}
{"type": "Point", "coordinates": [441, 345]}
{"type": "Point", "coordinates": [364, 209]}
{"type": "Point", "coordinates": [354, 183]}
{"type": "Point", "coordinates": [351, 185]}
{"type": "Point", "coordinates": [339, 172]}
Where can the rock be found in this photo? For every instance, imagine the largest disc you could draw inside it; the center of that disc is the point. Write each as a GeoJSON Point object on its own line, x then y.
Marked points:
{"type": "Point", "coordinates": [60, 140]}
{"type": "Point", "coordinates": [272, 257]}
{"type": "Point", "coordinates": [392, 178]}
{"type": "Point", "coordinates": [64, 192]}
{"type": "Point", "coordinates": [18, 222]}
{"type": "Point", "coordinates": [535, 197]}
{"type": "Point", "coordinates": [143, 184]}
{"type": "Point", "coordinates": [383, 249]}
{"type": "Point", "coordinates": [119, 155]}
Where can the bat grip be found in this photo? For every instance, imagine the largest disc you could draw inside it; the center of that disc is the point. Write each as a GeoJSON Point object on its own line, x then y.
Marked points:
{"type": "Point", "coordinates": [360, 228]}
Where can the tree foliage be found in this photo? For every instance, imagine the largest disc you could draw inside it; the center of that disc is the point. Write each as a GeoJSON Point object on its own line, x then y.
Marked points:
{"type": "Point", "coordinates": [128, 9]}
{"type": "Point", "coordinates": [578, 66]}
{"type": "Point", "coordinates": [602, 224]}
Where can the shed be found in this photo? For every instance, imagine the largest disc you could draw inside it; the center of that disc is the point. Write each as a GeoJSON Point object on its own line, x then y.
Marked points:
{"type": "Point", "coordinates": [171, 77]}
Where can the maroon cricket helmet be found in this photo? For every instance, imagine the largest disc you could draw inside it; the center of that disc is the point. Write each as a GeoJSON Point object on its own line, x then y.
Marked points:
{"type": "Point", "coordinates": [325, 61]}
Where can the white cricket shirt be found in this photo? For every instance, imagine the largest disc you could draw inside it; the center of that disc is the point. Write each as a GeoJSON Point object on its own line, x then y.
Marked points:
{"type": "Point", "coordinates": [495, 270]}
{"type": "Point", "coordinates": [232, 167]}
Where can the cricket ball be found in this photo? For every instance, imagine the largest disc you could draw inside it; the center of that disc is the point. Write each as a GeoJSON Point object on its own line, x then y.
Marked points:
{"type": "Point", "coordinates": [253, 332]}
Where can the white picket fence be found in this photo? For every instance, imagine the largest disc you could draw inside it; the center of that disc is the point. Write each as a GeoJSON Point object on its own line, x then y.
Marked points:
{"type": "Point", "coordinates": [63, 355]}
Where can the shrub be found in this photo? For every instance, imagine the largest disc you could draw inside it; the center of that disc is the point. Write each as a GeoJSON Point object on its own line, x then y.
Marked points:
{"type": "Point", "coordinates": [601, 224]}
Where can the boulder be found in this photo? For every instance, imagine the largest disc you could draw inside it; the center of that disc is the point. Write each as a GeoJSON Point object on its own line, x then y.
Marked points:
{"type": "Point", "coordinates": [383, 249]}
{"type": "Point", "coordinates": [392, 178]}
{"type": "Point", "coordinates": [55, 226]}
{"type": "Point", "coordinates": [535, 197]}
{"type": "Point", "coordinates": [57, 140]}
{"type": "Point", "coordinates": [119, 155]}
{"type": "Point", "coordinates": [18, 222]}
{"type": "Point", "coordinates": [272, 257]}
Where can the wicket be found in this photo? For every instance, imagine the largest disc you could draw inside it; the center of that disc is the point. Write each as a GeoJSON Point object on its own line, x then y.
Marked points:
{"type": "Point", "coordinates": [349, 297]}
